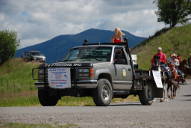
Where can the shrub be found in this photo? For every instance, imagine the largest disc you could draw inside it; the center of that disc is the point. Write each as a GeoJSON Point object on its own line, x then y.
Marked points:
{"type": "Point", "coordinates": [8, 45]}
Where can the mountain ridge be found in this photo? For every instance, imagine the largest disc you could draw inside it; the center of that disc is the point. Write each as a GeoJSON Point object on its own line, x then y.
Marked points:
{"type": "Point", "coordinates": [55, 48]}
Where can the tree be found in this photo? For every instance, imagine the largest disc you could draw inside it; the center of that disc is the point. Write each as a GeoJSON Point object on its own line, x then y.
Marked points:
{"type": "Point", "coordinates": [173, 11]}
{"type": "Point", "coordinates": [8, 45]}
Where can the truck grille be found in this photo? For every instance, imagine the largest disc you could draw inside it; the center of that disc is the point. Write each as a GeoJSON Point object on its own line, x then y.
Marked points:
{"type": "Point", "coordinates": [76, 74]}
{"type": "Point", "coordinates": [46, 75]}
{"type": "Point", "coordinates": [73, 75]}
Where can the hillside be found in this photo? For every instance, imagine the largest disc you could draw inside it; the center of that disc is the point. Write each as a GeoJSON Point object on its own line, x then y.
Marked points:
{"type": "Point", "coordinates": [15, 76]}
{"type": "Point", "coordinates": [176, 40]}
{"type": "Point", "coordinates": [56, 48]}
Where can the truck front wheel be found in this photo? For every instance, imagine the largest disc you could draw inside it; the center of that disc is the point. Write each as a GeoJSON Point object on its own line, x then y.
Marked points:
{"type": "Point", "coordinates": [146, 95]}
{"type": "Point", "coordinates": [103, 93]}
{"type": "Point", "coordinates": [46, 98]}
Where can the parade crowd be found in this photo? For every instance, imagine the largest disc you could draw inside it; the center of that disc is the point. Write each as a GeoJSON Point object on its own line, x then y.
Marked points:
{"type": "Point", "coordinates": [170, 64]}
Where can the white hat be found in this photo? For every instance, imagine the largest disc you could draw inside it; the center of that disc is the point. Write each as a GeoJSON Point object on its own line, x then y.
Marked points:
{"type": "Point", "coordinates": [174, 54]}
{"type": "Point", "coordinates": [159, 48]}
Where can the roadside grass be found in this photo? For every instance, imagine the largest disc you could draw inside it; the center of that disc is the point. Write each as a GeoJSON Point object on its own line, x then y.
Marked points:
{"type": "Point", "coordinates": [88, 101]}
{"type": "Point", "coordinates": [75, 101]}
{"type": "Point", "coordinates": [22, 125]}
{"type": "Point", "coordinates": [15, 76]}
{"type": "Point", "coordinates": [130, 98]}
{"type": "Point", "coordinates": [19, 101]}
{"type": "Point", "coordinates": [32, 100]}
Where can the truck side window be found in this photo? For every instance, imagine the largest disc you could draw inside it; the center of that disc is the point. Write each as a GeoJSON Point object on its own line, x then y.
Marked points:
{"type": "Point", "coordinates": [120, 57]}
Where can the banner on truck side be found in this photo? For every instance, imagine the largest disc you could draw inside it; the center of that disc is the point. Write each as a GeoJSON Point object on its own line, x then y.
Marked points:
{"type": "Point", "coordinates": [59, 77]}
{"type": "Point", "coordinates": [157, 78]}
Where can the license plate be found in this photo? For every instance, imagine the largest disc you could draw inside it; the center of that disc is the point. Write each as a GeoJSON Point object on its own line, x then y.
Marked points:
{"type": "Point", "coordinates": [59, 78]}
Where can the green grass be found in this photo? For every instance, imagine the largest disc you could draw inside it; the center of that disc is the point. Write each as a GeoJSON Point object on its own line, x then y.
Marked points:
{"type": "Point", "coordinates": [22, 125]}
{"type": "Point", "coordinates": [19, 101]}
{"type": "Point", "coordinates": [64, 101]}
{"type": "Point", "coordinates": [33, 101]}
{"type": "Point", "coordinates": [76, 101]}
{"type": "Point", "coordinates": [16, 84]}
{"type": "Point", "coordinates": [15, 76]}
{"type": "Point", "coordinates": [176, 40]}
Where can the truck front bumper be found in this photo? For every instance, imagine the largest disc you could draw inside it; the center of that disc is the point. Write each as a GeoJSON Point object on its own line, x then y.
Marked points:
{"type": "Point", "coordinates": [80, 84]}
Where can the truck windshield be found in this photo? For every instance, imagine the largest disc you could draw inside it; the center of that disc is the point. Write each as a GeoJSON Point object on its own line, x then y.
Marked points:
{"type": "Point", "coordinates": [89, 54]}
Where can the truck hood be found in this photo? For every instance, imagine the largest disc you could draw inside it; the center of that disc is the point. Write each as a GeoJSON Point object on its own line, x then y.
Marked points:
{"type": "Point", "coordinates": [73, 64]}
{"type": "Point", "coordinates": [70, 64]}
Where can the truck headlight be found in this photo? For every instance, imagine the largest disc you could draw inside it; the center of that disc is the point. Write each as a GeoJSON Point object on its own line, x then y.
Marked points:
{"type": "Point", "coordinates": [85, 74]}
{"type": "Point", "coordinates": [81, 70]}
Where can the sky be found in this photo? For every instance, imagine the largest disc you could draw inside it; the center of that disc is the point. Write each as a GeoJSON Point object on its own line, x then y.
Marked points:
{"type": "Point", "coordinates": [36, 21]}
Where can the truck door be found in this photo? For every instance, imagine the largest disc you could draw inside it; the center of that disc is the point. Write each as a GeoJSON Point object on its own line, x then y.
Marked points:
{"type": "Point", "coordinates": [123, 71]}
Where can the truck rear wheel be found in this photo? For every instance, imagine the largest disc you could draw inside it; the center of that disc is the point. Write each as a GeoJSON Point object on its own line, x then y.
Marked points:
{"type": "Point", "coordinates": [146, 95]}
{"type": "Point", "coordinates": [103, 94]}
{"type": "Point", "coordinates": [45, 97]}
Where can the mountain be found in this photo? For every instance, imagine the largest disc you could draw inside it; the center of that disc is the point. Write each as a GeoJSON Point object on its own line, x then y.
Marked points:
{"type": "Point", "coordinates": [56, 48]}
{"type": "Point", "coordinates": [176, 40]}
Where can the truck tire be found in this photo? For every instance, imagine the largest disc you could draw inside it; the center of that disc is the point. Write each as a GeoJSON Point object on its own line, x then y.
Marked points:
{"type": "Point", "coordinates": [103, 93]}
{"type": "Point", "coordinates": [146, 95]}
{"type": "Point", "coordinates": [45, 98]}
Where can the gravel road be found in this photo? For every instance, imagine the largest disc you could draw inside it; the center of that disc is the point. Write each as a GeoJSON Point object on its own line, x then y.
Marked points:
{"type": "Point", "coordinates": [172, 114]}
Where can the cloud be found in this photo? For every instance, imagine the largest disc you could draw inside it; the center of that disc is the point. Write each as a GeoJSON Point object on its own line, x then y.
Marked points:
{"type": "Point", "coordinates": [37, 21]}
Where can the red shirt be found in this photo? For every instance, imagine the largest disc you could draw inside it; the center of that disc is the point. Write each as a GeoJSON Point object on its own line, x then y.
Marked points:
{"type": "Point", "coordinates": [179, 58]}
{"type": "Point", "coordinates": [162, 57]}
{"type": "Point", "coordinates": [117, 41]}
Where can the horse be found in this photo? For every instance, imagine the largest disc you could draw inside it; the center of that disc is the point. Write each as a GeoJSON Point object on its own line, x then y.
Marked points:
{"type": "Point", "coordinates": [173, 82]}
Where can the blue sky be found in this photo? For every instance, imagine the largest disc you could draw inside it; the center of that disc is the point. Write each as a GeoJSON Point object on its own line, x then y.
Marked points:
{"type": "Point", "coordinates": [41, 20]}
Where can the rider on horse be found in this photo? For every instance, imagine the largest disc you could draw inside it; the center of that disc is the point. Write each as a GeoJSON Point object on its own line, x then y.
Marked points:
{"type": "Point", "coordinates": [159, 60]}
{"type": "Point", "coordinates": [174, 62]}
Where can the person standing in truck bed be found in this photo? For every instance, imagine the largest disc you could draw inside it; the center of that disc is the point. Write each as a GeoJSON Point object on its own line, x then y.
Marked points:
{"type": "Point", "coordinates": [118, 36]}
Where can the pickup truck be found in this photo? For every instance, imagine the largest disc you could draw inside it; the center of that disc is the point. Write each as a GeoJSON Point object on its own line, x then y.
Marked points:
{"type": "Point", "coordinates": [33, 56]}
{"type": "Point", "coordinates": [101, 70]}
